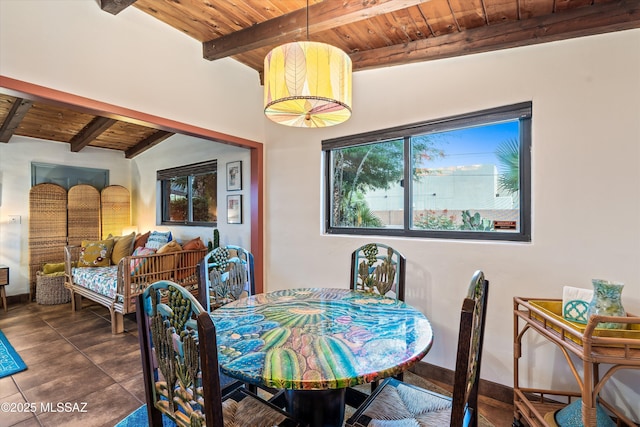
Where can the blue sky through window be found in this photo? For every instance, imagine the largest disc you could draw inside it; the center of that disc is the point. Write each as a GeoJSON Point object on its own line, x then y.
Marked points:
{"type": "Point", "coordinates": [474, 145]}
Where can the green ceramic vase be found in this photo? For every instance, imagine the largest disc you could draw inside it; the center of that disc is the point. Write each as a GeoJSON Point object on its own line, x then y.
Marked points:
{"type": "Point", "coordinates": [607, 301]}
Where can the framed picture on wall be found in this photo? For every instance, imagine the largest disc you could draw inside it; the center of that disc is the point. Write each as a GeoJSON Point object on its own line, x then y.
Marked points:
{"type": "Point", "coordinates": [234, 209]}
{"type": "Point", "coordinates": [234, 175]}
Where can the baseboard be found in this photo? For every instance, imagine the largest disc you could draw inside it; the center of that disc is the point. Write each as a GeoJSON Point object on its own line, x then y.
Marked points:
{"type": "Point", "coordinates": [490, 389]}
{"type": "Point", "coordinates": [16, 299]}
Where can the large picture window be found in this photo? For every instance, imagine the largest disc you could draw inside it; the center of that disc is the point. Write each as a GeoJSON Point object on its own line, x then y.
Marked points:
{"type": "Point", "coordinates": [190, 194]}
{"type": "Point", "coordinates": [464, 177]}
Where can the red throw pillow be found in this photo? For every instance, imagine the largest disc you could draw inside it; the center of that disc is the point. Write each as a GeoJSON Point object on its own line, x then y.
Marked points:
{"type": "Point", "coordinates": [141, 240]}
{"type": "Point", "coordinates": [193, 244]}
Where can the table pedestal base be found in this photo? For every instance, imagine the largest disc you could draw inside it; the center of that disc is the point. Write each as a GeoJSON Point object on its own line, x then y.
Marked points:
{"type": "Point", "coordinates": [319, 408]}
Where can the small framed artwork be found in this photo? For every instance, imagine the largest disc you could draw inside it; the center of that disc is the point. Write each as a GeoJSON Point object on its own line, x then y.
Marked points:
{"type": "Point", "coordinates": [234, 175]}
{"type": "Point", "coordinates": [234, 209]}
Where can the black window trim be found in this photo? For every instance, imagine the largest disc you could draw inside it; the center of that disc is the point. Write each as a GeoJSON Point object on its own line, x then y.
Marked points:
{"type": "Point", "coordinates": [521, 111]}
{"type": "Point", "coordinates": [186, 170]}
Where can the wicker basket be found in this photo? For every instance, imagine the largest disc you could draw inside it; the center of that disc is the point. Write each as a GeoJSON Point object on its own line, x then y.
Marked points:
{"type": "Point", "coordinates": [50, 289]}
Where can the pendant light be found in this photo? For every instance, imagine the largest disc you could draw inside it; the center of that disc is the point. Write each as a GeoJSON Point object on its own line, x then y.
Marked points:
{"type": "Point", "coordinates": [307, 84]}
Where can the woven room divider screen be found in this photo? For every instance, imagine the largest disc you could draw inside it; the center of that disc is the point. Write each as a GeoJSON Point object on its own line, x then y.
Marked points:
{"type": "Point", "coordinates": [47, 228]}
{"type": "Point", "coordinates": [83, 218]}
{"type": "Point", "coordinates": [115, 208]}
{"type": "Point", "coordinates": [58, 218]}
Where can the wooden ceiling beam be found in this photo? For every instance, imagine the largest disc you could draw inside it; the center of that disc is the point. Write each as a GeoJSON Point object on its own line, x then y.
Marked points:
{"type": "Point", "coordinates": [292, 26]}
{"type": "Point", "coordinates": [583, 21]}
{"type": "Point", "coordinates": [17, 112]}
{"type": "Point", "coordinates": [147, 143]}
{"type": "Point", "coordinates": [115, 6]}
{"type": "Point", "coordinates": [90, 132]}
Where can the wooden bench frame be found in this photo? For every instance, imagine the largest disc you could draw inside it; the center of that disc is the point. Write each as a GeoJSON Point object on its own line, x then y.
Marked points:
{"type": "Point", "coordinates": [179, 267]}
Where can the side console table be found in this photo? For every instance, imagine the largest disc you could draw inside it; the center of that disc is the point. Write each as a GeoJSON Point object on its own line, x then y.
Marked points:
{"type": "Point", "coordinates": [616, 348]}
{"type": "Point", "coordinates": [4, 281]}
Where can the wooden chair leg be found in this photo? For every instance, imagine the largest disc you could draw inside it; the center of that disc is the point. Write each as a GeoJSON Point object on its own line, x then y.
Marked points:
{"type": "Point", "coordinates": [3, 293]}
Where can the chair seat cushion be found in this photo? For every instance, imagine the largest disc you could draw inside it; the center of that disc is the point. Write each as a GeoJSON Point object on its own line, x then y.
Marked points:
{"type": "Point", "coordinates": [398, 404]}
{"type": "Point", "coordinates": [242, 409]}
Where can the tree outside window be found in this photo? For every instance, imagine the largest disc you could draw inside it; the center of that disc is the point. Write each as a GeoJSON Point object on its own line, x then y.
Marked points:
{"type": "Point", "coordinates": [189, 194]}
{"type": "Point", "coordinates": [466, 177]}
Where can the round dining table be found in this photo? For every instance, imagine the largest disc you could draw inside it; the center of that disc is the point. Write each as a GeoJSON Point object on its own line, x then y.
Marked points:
{"type": "Point", "coordinates": [314, 343]}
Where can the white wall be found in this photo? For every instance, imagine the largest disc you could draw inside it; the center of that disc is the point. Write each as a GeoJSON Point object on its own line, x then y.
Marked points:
{"type": "Point", "coordinates": [182, 150]}
{"type": "Point", "coordinates": [131, 61]}
{"type": "Point", "coordinates": [585, 191]}
{"type": "Point", "coordinates": [586, 155]}
{"type": "Point", "coordinates": [15, 182]}
{"type": "Point", "coordinates": [137, 175]}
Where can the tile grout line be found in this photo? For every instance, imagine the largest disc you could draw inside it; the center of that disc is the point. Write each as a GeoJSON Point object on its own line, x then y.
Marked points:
{"type": "Point", "coordinates": [88, 358]}
{"type": "Point", "coordinates": [57, 331]}
{"type": "Point", "coordinates": [24, 397]}
{"type": "Point", "coordinates": [60, 334]}
{"type": "Point", "coordinates": [35, 415]}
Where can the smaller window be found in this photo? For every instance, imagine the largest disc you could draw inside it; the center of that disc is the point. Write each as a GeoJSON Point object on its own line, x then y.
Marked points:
{"type": "Point", "coordinates": [190, 194]}
{"type": "Point", "coordinates": [68, 176]}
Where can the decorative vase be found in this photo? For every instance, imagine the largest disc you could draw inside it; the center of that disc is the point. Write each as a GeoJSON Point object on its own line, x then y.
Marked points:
{"type": "Point", "coordinates": [607, 302]}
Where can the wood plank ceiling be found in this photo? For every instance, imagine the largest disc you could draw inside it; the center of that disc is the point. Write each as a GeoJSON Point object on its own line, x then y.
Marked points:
{"type": "Point", "coordinates": [375, 33]}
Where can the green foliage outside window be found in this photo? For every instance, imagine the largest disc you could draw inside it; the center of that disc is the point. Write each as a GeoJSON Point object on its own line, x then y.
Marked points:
{"type": "Point", "coordinates": [360, 169]}
{"type": "Point", "coordinates": [189, 194]}
{"type": "Point", "coordinates": [465, 176]}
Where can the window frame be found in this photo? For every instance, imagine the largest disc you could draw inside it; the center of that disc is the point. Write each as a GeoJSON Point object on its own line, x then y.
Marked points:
{"type": "Point", "coordinates": [520, 111]}
{"type": "Point", "coordinates": [163, 176]}
{"type": "Point", "coordinates": [68, 176]}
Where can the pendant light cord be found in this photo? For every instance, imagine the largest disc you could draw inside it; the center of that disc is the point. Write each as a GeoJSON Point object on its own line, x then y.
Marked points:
{"type": "Point", "coordinates": [307, 20]}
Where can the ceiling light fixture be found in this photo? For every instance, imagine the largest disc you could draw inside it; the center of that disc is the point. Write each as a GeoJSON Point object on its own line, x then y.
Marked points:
{"type": "Point", "coordinates": [307, 84]}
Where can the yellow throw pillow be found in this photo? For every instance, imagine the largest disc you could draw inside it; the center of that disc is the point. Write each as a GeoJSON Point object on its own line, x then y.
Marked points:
{"type": "Point", "coordinates": [51, 267]}
{"type": "Point", "coordinates": [96, 253]}
{"type": "Point", "coordinates": [122, 247]}
{"type": "Point", "coordinates": [172, 246]}
{"type": "Point", "coordinates": [168, 263]}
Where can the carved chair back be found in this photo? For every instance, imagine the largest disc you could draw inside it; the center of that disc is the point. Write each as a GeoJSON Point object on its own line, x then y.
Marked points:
{"type": "Point", "coordinates": [225, 274]}
{"type": "Point", "coordinates": [378, 268]}
{"type": "Point", "coordinates": [464, 409]}
{"type": "Point", "coordinates": [180, 363]}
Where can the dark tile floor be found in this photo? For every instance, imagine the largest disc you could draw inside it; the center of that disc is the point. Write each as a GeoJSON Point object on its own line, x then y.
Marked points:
{"type": "Point", "coordinates": [74, 359]}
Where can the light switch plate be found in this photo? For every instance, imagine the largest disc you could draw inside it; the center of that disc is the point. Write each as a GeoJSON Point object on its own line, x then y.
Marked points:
{"type": "Point", "coordinates": [14, 219]}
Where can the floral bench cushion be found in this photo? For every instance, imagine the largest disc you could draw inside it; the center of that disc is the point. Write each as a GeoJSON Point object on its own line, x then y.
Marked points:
{"type": "Point", "coordinates": [102, 280]}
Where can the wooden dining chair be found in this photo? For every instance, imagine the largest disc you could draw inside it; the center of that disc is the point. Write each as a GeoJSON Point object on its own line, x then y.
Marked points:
{"type": "Point", "coordinates": [404, 404]}
{"type": "Point", "coordinates": [378, 268]}
{"type": "Point", "coordinates": [180, 367]}
{"type": "Point", "coordinates": [224, 275]}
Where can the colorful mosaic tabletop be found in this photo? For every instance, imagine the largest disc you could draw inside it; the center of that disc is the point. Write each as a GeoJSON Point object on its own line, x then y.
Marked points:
{"type": "Point", "coordinates": [319, 338]}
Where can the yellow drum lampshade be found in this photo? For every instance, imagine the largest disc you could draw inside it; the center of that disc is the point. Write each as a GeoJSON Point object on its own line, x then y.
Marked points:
{"type": "Point", "coordinates": [307, 84]}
